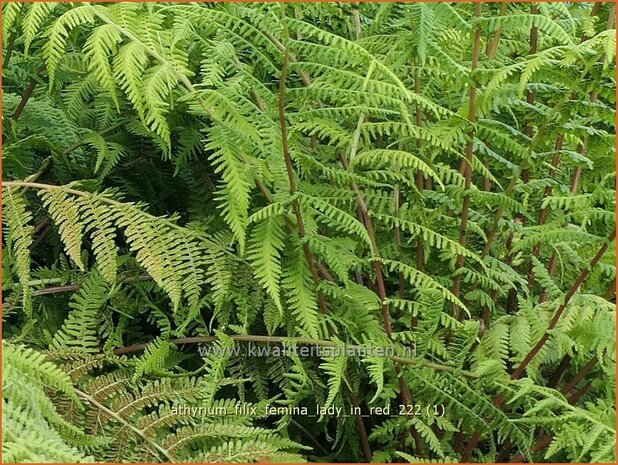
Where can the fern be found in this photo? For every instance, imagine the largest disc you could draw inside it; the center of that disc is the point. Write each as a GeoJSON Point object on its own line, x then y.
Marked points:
{"type": "Point", "coordinates": [34, 428]}
{"type": "Point", "coordinates": [335, 367]}
{"type": "Point", "coordinates": [79, 332]}
{"type": "Point", "coordinates": [20, 238]}
{"type": "Point", "coordinates": [301, 297]}
{"type": "Point", "coordinates": [66, 214]}
{"type": "Point", "coordinates": [186, 183]}
{"type": "Point", "coordinates": [265, 253]}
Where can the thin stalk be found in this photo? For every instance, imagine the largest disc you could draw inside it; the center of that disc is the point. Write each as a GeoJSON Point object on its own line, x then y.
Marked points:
{"type": "Point", "coordinates": [611, 291]}
{"type": "Point", "coordinates": [91, 400]}
{"type": "Point", "coordinates": [525, 175]}
{"type": "Point", "coordinates": [420, 247]}
{"type": "Point", "coordinates": [354, 148]}
{"type": "Point", "coordinates": [71, 287]}
{"type": "Point", "coordinates": [581, 149]}
{"type": "Point", "coordinates": [101, 133]}
{"type": "Point", "coordinates": [9, 50]}
{"type": "Point", "coordinates": [362, 431]}
{"type": "Point", "coordinates": [357, 24]}
{"type": "Point", "coordinates": [292, 177]}
{"type": "Point", "coordinates": [486, 318]}
{"type": "Point", "coordinates": [312, 438]}
{"type": "Point", "coordinates": [579, 376]}
{"type": "Point", "coordinates": [27, 95]}
{"type": "Point", "coordinates": [269, 198]}
{"type": "Point", "coordinates": [492, 45]}
{"type": "Point", "coordinates": [301, 226]}
{"type": "Point", "coordinates": [575, 182]}
{"type": "Point", "coordinates": [491, 234]}
{"type": "Point", "coordinates": [539, 446]}
{"type": "Point", "coordinates": [567, 298]}
{"type": "Point", "coordinates": [530, 97]}
{"type": "Point", "coordinates": [545, 441]}
{"type": "Point", "coordinates": [463, 228]}
{"type": "Point", "coordinates": [611, 22]}
{"type": "Point", "coordinates": [386, 317]}
{"type": "Point", "coordinates": [555, 378]}
{"type": "Point", "coordinates": [397, 199]}
{"type": "Point", "coordinates": [544, 212]}
{"type": "Point", "coordinates": [573, 398]}
{"type": "Point", "coordinates": [498, 401]}
{"type": "Point", "coordinates": [552, 382]}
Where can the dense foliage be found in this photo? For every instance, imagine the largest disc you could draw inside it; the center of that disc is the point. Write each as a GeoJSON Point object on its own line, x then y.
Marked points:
{"type": "Point", "coordinates": [180, 178]}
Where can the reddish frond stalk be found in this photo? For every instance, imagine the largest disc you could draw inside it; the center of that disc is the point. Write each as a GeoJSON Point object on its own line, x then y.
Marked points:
{"type": "Point", "coordinates": [292, 179]}
{"type": "Point", "coordinates": [499, 400]}
{"type": "Point", "coordinates": [463, 228]}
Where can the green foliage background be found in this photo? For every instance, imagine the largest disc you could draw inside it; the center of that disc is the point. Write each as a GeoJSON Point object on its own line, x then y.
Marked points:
{"type": "Point", "coordinates": [421, 175]}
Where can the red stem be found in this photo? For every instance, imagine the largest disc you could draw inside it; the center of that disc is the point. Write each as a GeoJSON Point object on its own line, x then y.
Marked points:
{"type": "Point", "coordinates": [292, 180]}
{"type": "Point", "coordinates": [26, 96]}
{"type": "Point", "coordinates": [541, 343]}
{"type": "Point", "coordinates": [463, 228]}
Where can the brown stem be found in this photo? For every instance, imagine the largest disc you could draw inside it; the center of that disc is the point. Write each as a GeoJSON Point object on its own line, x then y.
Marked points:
{"type": "Point", "coordinates": [24, 99]}
{"type": "Point", "coordinates": [582, 147]}
{"type": "Point", "coordinates": [579, 376]}
{"type": "Point", "coordinates": [313, 267]}
{"type": "Point", "coordinates": [292, 179]}
{"type": "Point", "coordinates": [580, 392]}
{"type": "Point", "coordinates": [463, 229]}
{"type": "Point", "coordinates": [386, 317]}
{"type": "Point", "coordinates": [486, 318]}
{"type": "Point", "coordinates": [544, 212]}
{"type": "Point", "coordinates": [315, 442]}
{"type": "Point", "coordinates": [361, 427]}
{"type": "Point", "coordinates": [301, 224]}
{"type": "Point", "coordinates": [486, 180]}
{"type": "Point", "coordinates": [9, 51]}
{"type": "Point", "coordinates": [465, 457]}
{"type": "Point", "coordinates": [567, 298]}
{"type": "Point", "coordinates": [545, 441]}
{"type": "Point", "coordinates": [407, 400]}
{"type": "Point", "coordinates": [555, 378]}
{"type": "Point", "coordinates": [535, 141]}
{"type": "Point", "coordinates": [611, 21]}
{"type": "Point", "coordinates": [552, 382]}
{"type": "Point", "coordinates": [402, 290]}
{"type": "Point", "coordinates": [269, 198]}
{"type": "Point", "coordinates": [492, 45]}
{"type": "Point", "coordinates": [539, 446]}
{"type": "Point", "coordinates": [596, 9]}
{"type": "Point", "coordinates": [577, 175]}
{"type": "Point", "coordinates": [553, 261]}
{"type": "Point", "coordinates": [46, 230]}
{"type": "Point", "coordinates": [420, 247]}
{"type": "Point", "coordinates": [41, 225]}
{"type": "Point", "coordinates": [528, 131]}
{"type": "Point", "coordinates": [75, 287]}
{"type": "Point", "coordinates": [611, 291]}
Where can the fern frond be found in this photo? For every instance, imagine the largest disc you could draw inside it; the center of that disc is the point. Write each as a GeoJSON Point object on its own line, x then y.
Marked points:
{"type": "Point", "coordinates": [80, 331]}
{"type": "Point", "coordinates": [301, 297]}
{"type": "Point", "coordinates": [265, 253]}
{"type": "Point", "coordinates": [65, 214]}
{"type": "Point", "coordinates": [19, 238]}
